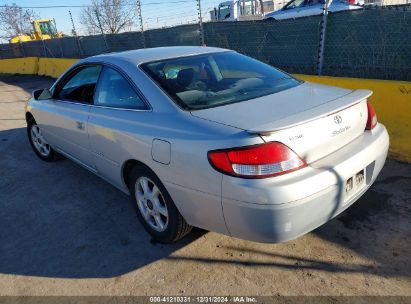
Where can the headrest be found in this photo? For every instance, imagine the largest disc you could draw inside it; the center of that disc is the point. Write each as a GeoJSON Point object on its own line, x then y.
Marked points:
{"type": "Point", "coordinates": [185, 77]}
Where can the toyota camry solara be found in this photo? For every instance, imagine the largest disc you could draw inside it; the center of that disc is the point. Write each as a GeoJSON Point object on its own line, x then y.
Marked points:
{"type": "Point", "coordinates": [210, 138]}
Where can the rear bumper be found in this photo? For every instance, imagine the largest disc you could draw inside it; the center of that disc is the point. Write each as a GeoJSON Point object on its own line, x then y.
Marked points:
{"type": "Point", "coordinates": [285, 207]}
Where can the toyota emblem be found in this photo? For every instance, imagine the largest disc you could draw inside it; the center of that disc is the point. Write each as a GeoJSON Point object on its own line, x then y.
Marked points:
{"type": "Point", "coordinates": [337, 119]}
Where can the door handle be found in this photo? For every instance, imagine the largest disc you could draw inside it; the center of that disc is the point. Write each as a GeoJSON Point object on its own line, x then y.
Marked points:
{"type": "Point", "coordinates": [80, 125]}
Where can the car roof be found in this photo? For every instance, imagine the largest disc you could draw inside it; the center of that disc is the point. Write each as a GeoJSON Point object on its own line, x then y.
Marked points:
{"type": "Point", "coordinates": [153, 54]}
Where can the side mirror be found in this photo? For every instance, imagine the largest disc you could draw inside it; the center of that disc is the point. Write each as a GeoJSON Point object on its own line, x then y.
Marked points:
{"type": "Point", "coordinates": [42, 94]}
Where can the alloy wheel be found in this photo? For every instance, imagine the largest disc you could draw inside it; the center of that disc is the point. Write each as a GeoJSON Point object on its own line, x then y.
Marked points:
{"type": "Point", "coordinates": [39, 142]}
{"type": "Point", "coordinates": [151, 204]}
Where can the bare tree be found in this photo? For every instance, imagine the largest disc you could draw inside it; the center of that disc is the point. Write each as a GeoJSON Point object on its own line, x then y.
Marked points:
{"type": "Point", "coordinates": [108, 16]}
{"type": "Point", "coordinates": [15, 20]}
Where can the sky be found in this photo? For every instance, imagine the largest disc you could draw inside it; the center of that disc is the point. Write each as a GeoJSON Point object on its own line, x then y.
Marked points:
{"type": "Point", "coordinates": [156, 13]}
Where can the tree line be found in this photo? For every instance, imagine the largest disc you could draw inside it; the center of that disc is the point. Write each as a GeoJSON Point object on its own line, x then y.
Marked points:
{"type": "Point", "coordinates": [100, 16]}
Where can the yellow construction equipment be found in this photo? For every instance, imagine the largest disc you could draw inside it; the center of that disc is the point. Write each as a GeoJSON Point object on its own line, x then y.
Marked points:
{"type": "Point", "coordinates": [42, 29]}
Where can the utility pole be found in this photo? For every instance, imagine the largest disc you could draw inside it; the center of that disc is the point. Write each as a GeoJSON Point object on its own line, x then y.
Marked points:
{"type": "Point", "coordinates": [140, 19]}
{"type": "Point", "coordinates": [22, 48]}
{"type": "Point", "coordinates": [323, 31]}
{"type": "Point", "coordinates": [44, 46]}
{"type": "Point", "coordinates": [101, 29]}
{"type": "Point", "coordinates": [200, 23]}
{"type": "Point", "coordinates": [74, 31]}
{"type": "Point", "coordinates": [20, 43]}
{"type": "Point", "coordinates": [72, 24]}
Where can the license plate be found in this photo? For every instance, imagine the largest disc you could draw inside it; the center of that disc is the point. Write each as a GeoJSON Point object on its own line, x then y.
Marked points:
{"type": "Point", "coordinates": [354, 183]}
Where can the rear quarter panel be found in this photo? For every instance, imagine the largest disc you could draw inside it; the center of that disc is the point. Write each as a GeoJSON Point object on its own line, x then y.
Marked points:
{"type": "Point", "coordinates": [117, 136]}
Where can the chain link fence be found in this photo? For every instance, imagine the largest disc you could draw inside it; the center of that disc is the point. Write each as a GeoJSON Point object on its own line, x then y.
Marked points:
{"type": "Point", "coordinates": [374, 42]}
{"type": "Point", "coordinates": [290, 44]}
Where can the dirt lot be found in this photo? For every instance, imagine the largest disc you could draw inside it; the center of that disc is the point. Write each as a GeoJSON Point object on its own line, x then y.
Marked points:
{"type": "Point", "coordinates": [63, 231]}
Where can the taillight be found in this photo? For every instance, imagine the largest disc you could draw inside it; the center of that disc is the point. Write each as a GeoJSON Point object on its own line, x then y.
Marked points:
{"type": "Point", "coordinates": [372, 117]}
{"type": "Point", "coordinates": [260, 161]}
{"type": "Point", "coordinates": [351, 1]}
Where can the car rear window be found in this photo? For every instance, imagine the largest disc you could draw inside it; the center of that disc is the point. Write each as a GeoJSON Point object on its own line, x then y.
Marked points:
{"type": "Point", "coordinates": [211, 80]}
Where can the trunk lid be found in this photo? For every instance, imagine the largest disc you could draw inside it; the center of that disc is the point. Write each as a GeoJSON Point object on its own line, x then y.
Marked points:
{"type": "Point", "coordinates": [312, 119]}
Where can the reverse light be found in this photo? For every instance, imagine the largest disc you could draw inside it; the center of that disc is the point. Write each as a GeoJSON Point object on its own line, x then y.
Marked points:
{"type": "Point", "coordinates": [372, 117]}
{"type": "Point", "coordinates": [259, 161]}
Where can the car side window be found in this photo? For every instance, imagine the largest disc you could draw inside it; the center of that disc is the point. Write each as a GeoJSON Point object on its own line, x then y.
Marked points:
{"type": "Point", "coordinates": [295, 4]}
{"type": "Point", "coordinates": [80, 87]}
{"type": "Point", "coordinates": [115, 91]}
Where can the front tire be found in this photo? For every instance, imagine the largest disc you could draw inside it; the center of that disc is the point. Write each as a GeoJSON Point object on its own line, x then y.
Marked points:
{"type": "Point", "coordinates": [155, 208]}
{"type": "Point", "coordinates": [40, 146]}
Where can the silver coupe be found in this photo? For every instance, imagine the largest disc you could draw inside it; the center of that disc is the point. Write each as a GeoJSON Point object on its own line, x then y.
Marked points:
{"type": "Point", "coordinates": [210, 138]}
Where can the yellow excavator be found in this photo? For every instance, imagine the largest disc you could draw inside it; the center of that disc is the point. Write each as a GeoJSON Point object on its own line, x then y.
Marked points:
{"type": "Point", "coordinates": [42, 29]}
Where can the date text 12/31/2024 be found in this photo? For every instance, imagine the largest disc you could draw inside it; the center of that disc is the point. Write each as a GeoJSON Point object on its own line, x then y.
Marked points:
{"type": "Point", "coordinates": [203, 299]}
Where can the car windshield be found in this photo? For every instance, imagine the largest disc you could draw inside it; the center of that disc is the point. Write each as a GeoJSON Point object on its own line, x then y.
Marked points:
{"type": "Point", "coordinates": [211, 80]}
{"type": "Point", "coordinates": [224, 12]}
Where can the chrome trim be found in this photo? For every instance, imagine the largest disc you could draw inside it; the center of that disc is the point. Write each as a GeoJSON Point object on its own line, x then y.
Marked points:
{"type": "Point", "coordinates": [123, 109]}
{"type": "Point", "coordinates": [97, 106]}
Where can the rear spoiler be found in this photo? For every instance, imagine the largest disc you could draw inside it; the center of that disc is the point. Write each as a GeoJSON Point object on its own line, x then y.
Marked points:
{"type": "Point", "coordinates": [311, 114]}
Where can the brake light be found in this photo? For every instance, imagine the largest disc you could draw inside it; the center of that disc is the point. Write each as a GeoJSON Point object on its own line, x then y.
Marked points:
{"type": "Point", "coordinates": [259, 161]}
{"type": "Point", "coordinates": [372, 117]}
{"type": "Point", "coordinates": [351, 1]}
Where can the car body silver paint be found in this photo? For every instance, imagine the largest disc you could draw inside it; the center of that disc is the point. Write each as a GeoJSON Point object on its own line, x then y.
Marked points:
{"type": "Point", "coordinates": [313, 10]}
{"type": "Point", "coordinates": [161, 151]}
{"type": "Point", "coordinates": [107, 138]}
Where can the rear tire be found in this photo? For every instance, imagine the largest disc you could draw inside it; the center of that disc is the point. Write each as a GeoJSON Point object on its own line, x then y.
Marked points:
{"type": "Point", "coordinates": [42, 149]}
{"type": "Point", "coordinates": [155, 208]}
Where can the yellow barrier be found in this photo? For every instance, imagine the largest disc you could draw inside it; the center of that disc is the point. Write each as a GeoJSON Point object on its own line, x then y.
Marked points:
{"type": "Point", "coordinates": [391, 99]}
{"type": "Point", "coordinates": [27, 65]}
{"type": "Point", "coordinates": [54, 67]}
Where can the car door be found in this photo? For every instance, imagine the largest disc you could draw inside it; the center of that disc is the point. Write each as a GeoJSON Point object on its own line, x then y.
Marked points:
{"type": "Point", "coordinates": [119, 124]}
{"type": "Point", "coordinates": [300, 8]}
{"type": "Point", "coordinates": [68, 113]}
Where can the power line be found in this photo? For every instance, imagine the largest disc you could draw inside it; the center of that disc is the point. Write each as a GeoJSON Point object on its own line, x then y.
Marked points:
{"type": "Point", "coordinates": [82, 6]}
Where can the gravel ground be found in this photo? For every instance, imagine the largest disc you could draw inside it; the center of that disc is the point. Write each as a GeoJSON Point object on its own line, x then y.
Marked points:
{"type": "Point", "coordinates": [64, 231]}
